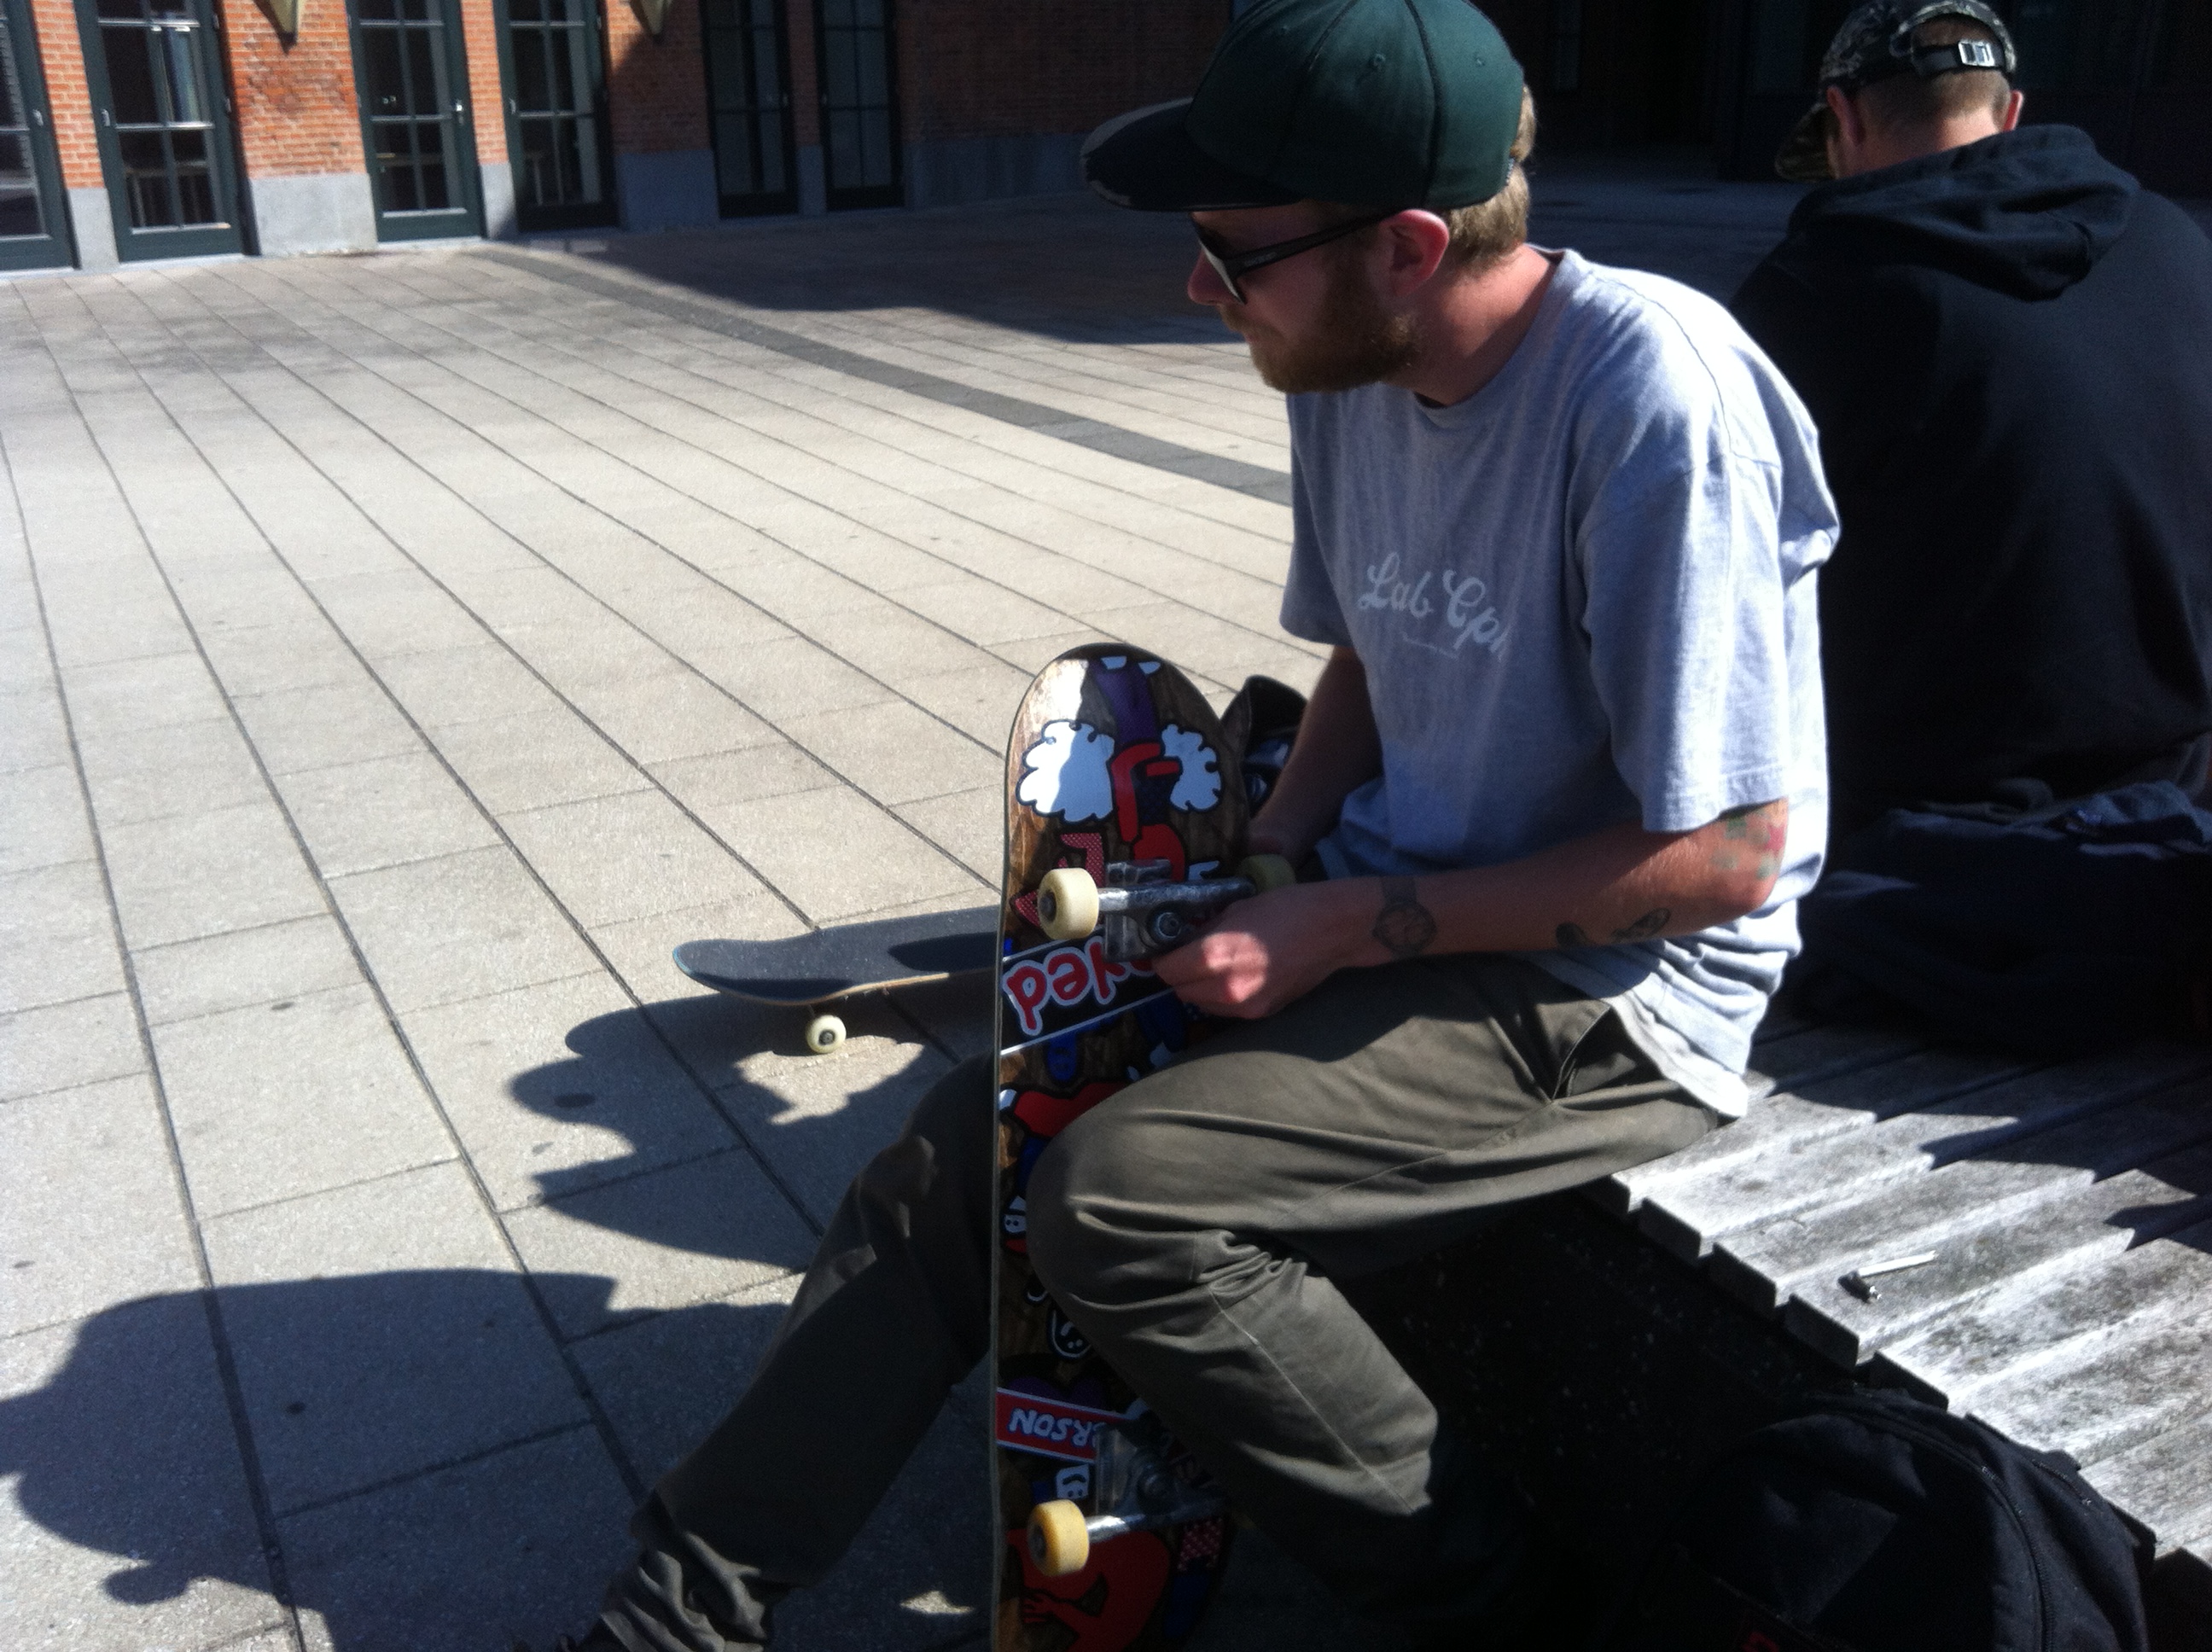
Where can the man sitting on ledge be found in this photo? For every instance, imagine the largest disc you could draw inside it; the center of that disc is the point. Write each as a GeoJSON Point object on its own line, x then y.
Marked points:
{"type": "Point", "coordinates": [1559, 524]}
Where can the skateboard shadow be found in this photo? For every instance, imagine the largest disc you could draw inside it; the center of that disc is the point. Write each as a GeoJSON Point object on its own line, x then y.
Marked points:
{"type": "Point", "coordinates": [811, 1121]}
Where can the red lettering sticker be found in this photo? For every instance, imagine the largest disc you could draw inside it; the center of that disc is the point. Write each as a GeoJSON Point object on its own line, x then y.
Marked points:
{"type": "Point", "coordinates": [1051, 1428]}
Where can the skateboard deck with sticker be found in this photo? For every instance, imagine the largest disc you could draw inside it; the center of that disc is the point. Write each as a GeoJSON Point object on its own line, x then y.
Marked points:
{"type": "Point", "coordinates": [1118, 775]}
{"type": "Point", "coordinates": [826, 965]}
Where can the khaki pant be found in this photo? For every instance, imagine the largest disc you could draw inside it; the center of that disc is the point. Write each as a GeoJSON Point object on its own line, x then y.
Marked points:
{"type": "Point", "coordinates": [1192, 1226]}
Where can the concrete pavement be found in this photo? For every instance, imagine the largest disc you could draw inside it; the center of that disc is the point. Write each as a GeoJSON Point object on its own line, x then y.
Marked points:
{"type": "Point", "coordinates": [401, 654]}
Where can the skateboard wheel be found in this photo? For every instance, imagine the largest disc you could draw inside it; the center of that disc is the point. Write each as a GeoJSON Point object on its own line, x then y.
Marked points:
{"type": "Point", "coordinates": [1059, 1543]}
{"type": "Point", "coordinates": [1067, 903]}
{"type": "Point", "coordinates": [1267, 871]}
{"type": "Point", "coordinates": [825, 1034]}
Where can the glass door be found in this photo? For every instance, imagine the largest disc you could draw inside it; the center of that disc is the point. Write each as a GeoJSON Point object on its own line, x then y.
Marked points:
{"type": "Point", "coordinates": [414, 80]}
{"type": "Point", "coordinates": [749, 94]}
{"type": "Point", "coordinates": [553, 57]}
{"type": "Point", "coordinates": [859, 113]}
{"type": "Point", "coordinates": [154, 68]}
{"type": "Point", "coordinates": [34, 222]}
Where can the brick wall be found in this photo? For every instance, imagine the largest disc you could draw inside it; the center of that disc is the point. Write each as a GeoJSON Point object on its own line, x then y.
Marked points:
{"type": "Point", "coordinates": [62, 55]}
{"type": "Point", "coordinates": [656, 90]}
{"type": "Point", "coordinates": [297, 113]}
{"type": "Point", "coordinates": [487, 97]}
{"type": "Point", "coordinates": [995, 68]}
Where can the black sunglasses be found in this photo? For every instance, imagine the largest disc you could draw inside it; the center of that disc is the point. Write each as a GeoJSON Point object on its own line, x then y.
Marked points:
{"type": "Point", "coordinates": [1229, 265]}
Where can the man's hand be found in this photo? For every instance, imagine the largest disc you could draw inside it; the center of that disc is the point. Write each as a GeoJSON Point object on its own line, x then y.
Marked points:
{"type": "Point", "coordinates": [1264, 953]}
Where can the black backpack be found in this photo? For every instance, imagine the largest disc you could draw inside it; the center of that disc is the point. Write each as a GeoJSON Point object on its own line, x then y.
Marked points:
{"type": "Point", "coordinates": [1872, 1523]}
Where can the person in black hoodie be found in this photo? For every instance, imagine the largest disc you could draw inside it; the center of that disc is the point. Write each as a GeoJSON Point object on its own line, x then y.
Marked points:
{"type": "Point", "coordinates": [2007, 344]}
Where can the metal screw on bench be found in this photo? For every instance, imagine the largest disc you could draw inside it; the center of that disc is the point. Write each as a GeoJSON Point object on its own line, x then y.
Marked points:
{"type": "Point", "coordinates": [1856, 1281]}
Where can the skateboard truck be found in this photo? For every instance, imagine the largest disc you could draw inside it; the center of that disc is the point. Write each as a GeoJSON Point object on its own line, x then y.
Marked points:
{"type": "Point", "coordinates": [1136, 1489]}
{"type": "Point", "coordinates": [1139, 910]}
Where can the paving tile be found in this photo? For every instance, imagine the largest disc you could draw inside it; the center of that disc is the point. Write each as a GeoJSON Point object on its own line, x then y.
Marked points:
{"type": "Point", "coordinates": [791, 676]}
{"type": "Point", "coordinates": [468, 925]}
{"type": "Point", "coordinates": [343, 722]}
{"type": "Point", "coordinates": [245, 967]}
{"type": "Point", "coordinates": [57, 937]}
{"type": "Point", "coordinates": [896, 753]}
{"type": "Point", "coordinates": [61, 1046]}
{"type": "Point", "coordinates": [185, 769]}
{"type": "Point", "coordinates": [979, 702]}
{"type": "Point", "coordinates": [611, 859]}
{"type": "Point", "coordinates": [121, 626]}
{"type": "Point", "coordinates": [970, 826]}
{"type": "Point", "coordinates": [562, 1086]}
{"type": "Point", "coordinates": [32, 733]}
{"type": "Point", "coordinates": [464, 685]}
{"type": "Point", "coordinates": [715, 1344]}
{"type": "Point", "coordinates": [92, 1217]}
{"type": "Point", "coordinates": [982, 611]}
{"type": "Point", "coordinates": [513, 763]}
{"type": "Point", "coordinates": [379, 1331]}
{"type": "Point", "coordinates": [717, 779]}
{"type": "Point", "coordinates": [128, 1525]}
{"type": "Point", "coordinates": [358, 816]}
{"type": "Point", "coordinates": [202, 874]}
{"type": "Point", "coordinates": [23, 661]}
{"type": "Point", "coordinates": [888, 642]}
{"type": "Point", "coordinates": [524, 1541]}
{"type": "Point", "coordinates": [42, 819]}
{"type": "Point", "coordinates": [693, 1233]}
{"type": "Point", "coordinates": [872, 861]}
{"type": "Point", "coordinates": [400, 611]}
{"type": "Point", "coordinates": [275, 657]}
{"type": "Point", "coordinates": [678, 713]}
{"type": "Point", "coordinates": [275, 1100]}
{"type": "Point", "coordinates": [131, 694]}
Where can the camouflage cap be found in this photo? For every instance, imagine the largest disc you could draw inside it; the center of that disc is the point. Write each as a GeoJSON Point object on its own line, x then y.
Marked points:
{"type": "Point", "coordinates": [1875, 43]}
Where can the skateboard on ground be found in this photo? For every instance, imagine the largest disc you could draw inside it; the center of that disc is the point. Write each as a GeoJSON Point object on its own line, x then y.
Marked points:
{"type": "Point", "coordinates": [1126, 806]}
{"type": "Point", "coordinates": [808, 971]}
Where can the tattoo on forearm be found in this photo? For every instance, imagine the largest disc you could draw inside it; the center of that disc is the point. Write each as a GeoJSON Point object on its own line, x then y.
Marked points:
{"type": "Point", "coordinates": [1403, 926]}
{"type": "Point", "coordinates": [1651, 923]}
{"type": "Point", "coordinates": [1752, 835]}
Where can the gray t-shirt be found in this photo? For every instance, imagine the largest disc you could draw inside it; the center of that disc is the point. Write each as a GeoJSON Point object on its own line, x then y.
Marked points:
{"type": "Point", "coordinates": [1584, 595]}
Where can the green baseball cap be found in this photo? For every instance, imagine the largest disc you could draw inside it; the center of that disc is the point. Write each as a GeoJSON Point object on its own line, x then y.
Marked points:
{"type": "Point", "coordinates": [1377, 103]}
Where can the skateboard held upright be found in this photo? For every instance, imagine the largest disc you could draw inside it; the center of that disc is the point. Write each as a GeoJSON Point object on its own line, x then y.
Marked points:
{"type": "Point", "coordinates": [1126, 816]}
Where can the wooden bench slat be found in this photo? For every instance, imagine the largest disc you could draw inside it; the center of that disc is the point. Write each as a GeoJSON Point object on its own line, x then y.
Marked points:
{"type": "Point", "coordinates": [1953, 1201]}
{"type": "Point", "coordinates": [1789, 1122]}
{"type": "Point", "coordinates": [1810, 1059]}
{"type": "Point", "coordinates": [2089, 1363]}
{"type": "Point", "coordinates": [1983, 1109]}
{"type": "Point", "coordinates": [2074, 1224]}
{"type": "Point", "coordinates": [2166, 1482]}
{"type": "Point", "coordinates": [2136, 1387]}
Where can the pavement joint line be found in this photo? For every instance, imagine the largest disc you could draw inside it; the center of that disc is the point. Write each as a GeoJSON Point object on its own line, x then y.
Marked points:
{"type": "Point", "coordinates": [414, 1168]}
{"type": "Point", "coordinates": [646, 1315]}
{"type": "Point", "coordinates": [609, 1440]}
{"type": "Point", "coordinates": [315, 1505]}
{"type": "Point", "coordinates": [1154, 594]}
{"type": "Point", "coordinates": [1273, 486]}
{"type": "Point", "coordinates": [798, 402]}
{"type": "Point", "coordinates": [711, 1096]}
{"type": "Point", "coordinates": [651, 780]}
{"type": "Point", "coordinates": [225, 1358]}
